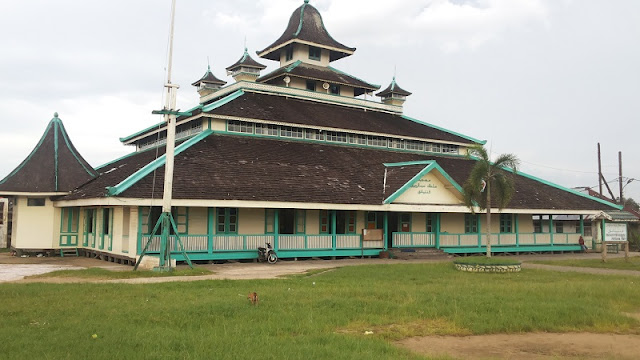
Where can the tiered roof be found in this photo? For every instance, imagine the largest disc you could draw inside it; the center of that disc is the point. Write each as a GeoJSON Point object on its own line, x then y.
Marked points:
{"type": "Point", "coordinates": [306, 26]}
{"type": "Point", "coordinates": [245, 61]}
{"type": "Point", "coordinates": [53, 166]}
{"type": "Point", "coordinates": [393, 88]}
{"type": "Point", "coordinates": [209, 78]}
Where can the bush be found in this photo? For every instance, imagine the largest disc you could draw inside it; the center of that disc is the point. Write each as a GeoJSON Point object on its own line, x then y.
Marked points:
{"type": "Point", "coordinates": [483, 260]}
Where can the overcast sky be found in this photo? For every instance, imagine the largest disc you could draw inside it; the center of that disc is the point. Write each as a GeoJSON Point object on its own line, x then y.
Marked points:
{"type": "Point", "coordinates": [543, 79]}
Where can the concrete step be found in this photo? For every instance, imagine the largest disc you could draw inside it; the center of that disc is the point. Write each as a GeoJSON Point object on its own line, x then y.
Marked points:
{"type": "Point", "coordinates": [417, 253]}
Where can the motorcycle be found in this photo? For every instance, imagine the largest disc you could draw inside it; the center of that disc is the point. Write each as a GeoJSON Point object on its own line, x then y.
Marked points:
{"type": "Point", "coordinates": [267, 254]}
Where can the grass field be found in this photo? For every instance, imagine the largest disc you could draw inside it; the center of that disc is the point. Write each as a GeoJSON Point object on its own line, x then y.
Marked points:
{"type": "Point", "coordinates": [99, 273]}
{"type": "Point", "coordinates": [322, 316]}
{"type": "Point", "coordinates": [617, 263]}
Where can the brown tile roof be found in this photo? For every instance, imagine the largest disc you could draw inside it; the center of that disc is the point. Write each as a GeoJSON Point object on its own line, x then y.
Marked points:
{"type": "Point", "coordinates": [397, 176]}
{"type": "Point", "coordinates": [310, 113]}
{"type": "Point", "coordinates": [320, 73]}
{"type": "Point", "coordinates": [54, 165]}
{"type": "Point", "coordinates": [306, 24]}
{"type": "Point", "coordinates": [209, 78]}
{"type": "Point", "coordinates": [393, 88]}
{"type": "Point", "coordinates": [224, 167]}
{"type": "Point", "coordinates": [246, 61]}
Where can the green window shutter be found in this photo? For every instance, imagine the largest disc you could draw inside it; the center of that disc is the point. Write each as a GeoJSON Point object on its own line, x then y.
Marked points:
{"type": "Point", "coordinates": [269, 221]}
{"type": "Point", "coordinates": [300, 221]}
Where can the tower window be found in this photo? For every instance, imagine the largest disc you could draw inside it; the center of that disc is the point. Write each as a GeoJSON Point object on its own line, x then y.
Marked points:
{"type": "Point", "coordinates": [289, 53]}
{"type": "Point", "coordinates": [314, 53]}
{"type": "Point", "coordinates": [311, 85]}
{"type": "Point", "coordinates": [335, 89]}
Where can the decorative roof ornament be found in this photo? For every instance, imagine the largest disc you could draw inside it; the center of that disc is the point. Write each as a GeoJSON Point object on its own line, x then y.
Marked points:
{"type": "Point", "coordinates": [393, 94]}
{"type": "Point", "coordinates": [209, 78]}
{"type": "Point", "coordinates": [245, 61]}
{"type": "Point", "coordinates": [306, 27]}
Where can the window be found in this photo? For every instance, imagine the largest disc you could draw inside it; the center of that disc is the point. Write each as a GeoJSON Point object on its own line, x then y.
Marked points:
{"type": "Point", "coordinates": [266, 129]}
{"type": "Point", "coordinates": [227, 221]}
{"type": "Point", "coordinates": [587, 229]}
{"type": "Point", "coordinates": [325, 222]}
{"type": "Point", "coordinates": [289, 53]}
{"type": "Point", "coordinates": [311, 85]}
{"type": "Point", "coordinates": [336, 136]}
{"type": "Point", "coordinates": [315, 53]}
{"type": "Point", "coordinates": [375, 220]}
{"type": "Point", "coordinates": [345, 222]}
{"type": "Point", "coordinates": [377, 141]}
{"type": "Point", "coordinates": [90, 221]}
{"type": "Point", "coordinates": [537, 225]}
{"type": "Point", "coordinates": [313, 134]}
{"type": "Point", "coordinates": [449, 149]}
{"type": "Point", "coordinates": [240, 126]}
{"type": "Point", "coordinates": [358, 139]}
{"type": "Point", "coordinates": [106, 221]}
{"type": "Point", "coordinates": [35, 201]}
{"type": "Point", "coordinates": [559, 227]}
{"type": "Point", "coordinates": [433, 148]}
{"type": "Point", "coordinates": [396, 144]}
{"type": "Point", "coordinates": [414, 145]}
{"type": "Point", "coordinates": [404, 223]}
{"type": "Point", "coordinates": [577, 227]}
{"type": "Point", "coordinates": [69, 220]}
{"type": "Point", "coordinates": [506, 221]}
{"type": "Point", "coordinates": [430, 221]}
{"type": "Point", "coordinates": [291, 221]}
{"type": "Point", "coordinates": [334, 89]}
{"type": "Point", "coordinates": [269, 221]}
{"type": "Point", "coordinates": [291, 132]}
{"type": "Point", "coordinates": [470, 223]}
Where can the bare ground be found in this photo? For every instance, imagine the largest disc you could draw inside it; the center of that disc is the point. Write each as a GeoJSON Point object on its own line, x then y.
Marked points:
{"type": "Point", "coordinates": [528, 346]}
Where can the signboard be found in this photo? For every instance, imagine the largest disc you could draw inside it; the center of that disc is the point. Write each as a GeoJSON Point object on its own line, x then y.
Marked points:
{"type": "Point", "coordinates": [615, 232]}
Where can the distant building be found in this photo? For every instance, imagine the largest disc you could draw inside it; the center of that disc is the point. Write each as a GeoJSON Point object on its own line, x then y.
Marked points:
{"type": "Point", "coordinates": [299, 157]}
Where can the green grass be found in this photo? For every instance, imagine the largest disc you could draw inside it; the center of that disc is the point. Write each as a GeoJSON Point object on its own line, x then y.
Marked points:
{"type": "Point", "coordinates": [483, 260]}
{"type": "Point", "coordinates": [100, 273]}
{"type": "Point", "coordinates": [615, 263]}
{"type": "Point", "coordinates": [318, 317]}
{"type": "Point", "coordinates": [4, 250]}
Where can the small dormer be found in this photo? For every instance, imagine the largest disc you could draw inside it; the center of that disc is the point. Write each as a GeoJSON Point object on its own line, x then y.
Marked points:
{"type": "Point", "coordinates": [245, 69]}
{"type": "Point", "coordinates": [393, 94]}
{"type": "Point", "coordinates": [208, 83]}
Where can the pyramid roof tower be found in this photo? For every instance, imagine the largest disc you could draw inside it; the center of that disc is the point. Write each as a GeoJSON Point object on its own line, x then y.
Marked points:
{"type": "Point", "coordinates": [53, 166]}
{"type": "Point", "coordinates": [209, 78]}
{"type": "Point", "coordinates": [245, 61]}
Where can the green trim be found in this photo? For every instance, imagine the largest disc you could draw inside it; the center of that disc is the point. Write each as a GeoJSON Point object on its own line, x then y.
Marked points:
{"type": "Point", "coordinates": [385, 231]}
{"type": "Point", "coordinates": [55, 153]}
{"type": "Point", "coordinates": [482, 142]}
{"type": "Point", "coordinates": [377, 87]}
{"type": "Point", "coordinates": [437, 229]}
{"type": "Point", "coordinates": [301, 19]}
{"type": "Point", "coordinates": [216, 104]}
{"type": "Point", "coordinates": [581, 225]}
{"type": "Point", "coordinates": [551, 229]}
{"type": "Point", "coordinates": [276, 230]}
{"type": "Point", "coordinates": [152, 127]}
{"type": "Point", "coordinates": [170, 112]}
{"type": "Point", "coordinates": [25, 161]}
{"type": "Point", "coordinates": [63, 131]}
{"type": "Point", "coordinates": [517, 223]}
{"type": "Point", "coordinates": [418, 176]}
{"type": "Point", "coordinates": [409, 163]}
{"type": "Point", "coordinates": [227, 222]}
{"type": "Point", "coordinates": [150, 167]}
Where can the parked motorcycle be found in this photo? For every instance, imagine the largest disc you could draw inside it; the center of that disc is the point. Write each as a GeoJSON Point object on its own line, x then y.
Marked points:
{"type": "Point", "coordinates": [267, 254]}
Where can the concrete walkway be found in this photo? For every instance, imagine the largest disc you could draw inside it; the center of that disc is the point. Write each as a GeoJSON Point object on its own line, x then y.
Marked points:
{"type": "Point", "coordinates": [15, 269]}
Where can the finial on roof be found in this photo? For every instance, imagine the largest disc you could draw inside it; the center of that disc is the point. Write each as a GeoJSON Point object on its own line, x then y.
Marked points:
{"type": "Point", "coordinates": [55, 114]}
{"type": "Point", "coordinates": [306, 1]}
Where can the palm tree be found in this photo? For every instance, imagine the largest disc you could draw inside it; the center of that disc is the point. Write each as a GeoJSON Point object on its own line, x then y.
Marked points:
{"type": "Point", "coordinates": [485, 177]}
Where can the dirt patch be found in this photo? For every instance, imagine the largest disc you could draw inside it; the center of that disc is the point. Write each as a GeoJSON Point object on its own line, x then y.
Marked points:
{"type": "Point", "coordinates": [528, 346]}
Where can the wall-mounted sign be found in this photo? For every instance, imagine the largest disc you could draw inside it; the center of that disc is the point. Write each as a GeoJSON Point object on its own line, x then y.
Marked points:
{"type": "Point", "coordinates": [615, 232]}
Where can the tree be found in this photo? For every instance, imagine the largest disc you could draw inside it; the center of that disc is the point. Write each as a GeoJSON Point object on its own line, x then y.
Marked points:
{"type": "Point", "coordinates": [488, 182]}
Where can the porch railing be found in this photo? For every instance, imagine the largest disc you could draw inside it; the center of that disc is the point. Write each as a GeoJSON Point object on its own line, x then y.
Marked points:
{"type": "Point", "coordinates": [413, 239]}
{"type": "Point", "coordinates": [508, 239]}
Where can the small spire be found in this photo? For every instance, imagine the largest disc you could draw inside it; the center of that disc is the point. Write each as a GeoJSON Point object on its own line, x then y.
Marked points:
{"type": "Point", "coordinates": [306, 1]}
{"type": "Point", "coordinates": [208, 65]}
{"type": "Point", "coordinates": [55, 114]}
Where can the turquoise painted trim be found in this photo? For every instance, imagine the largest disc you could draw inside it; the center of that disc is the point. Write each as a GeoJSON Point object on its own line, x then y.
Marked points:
{"type": "Point", "coordinates": [334, 226]}
{"type": "Point", "coordinates": [604, 230]}
{"type": "Point", "coordinates": [152, 127]}
{"type": "Point", "coordinates": [581, 225]}
{"type": "Point", "coordinates": [149, 168]}
{"type": "Point", "coordinates": [511, 249]}
{"type": "Point", "coordinates": [121, 158]}
{"type": "Point", "coordinates": [301, 19]}
{"type": "Point", "coordinates": [478, 222]}
{"type": "Point", "coordinates": [385, 230]}
{"type": "Point", "coordinates": [25, 161]}
{"type": "Point", "coordinates": [216, 104]}
{"type": "Point", "coordinates": [63, 131]}
{"type": "Point", "coordinates": [560, 187]}
{"type": "Point", "coordinates": [551, 228]}
{"type": "Point", "coordinates": [437, 230]}
{"type": "Point", "coordinates": [409, 163]}
{"type": "Point", "coordinates": [55, 153]}
{"type": "Point", "coordinates": [422, 173]}
{"type": "Point", "coordinates": [482, 142]}
{"type": "Point", "coordinates": [276, 230]}
{"type": "Point", "coordinates": [226, 132]}
{"type": "Point", "coordinates": [517, 225]}
{"type": "Point", "coordinates": [377, 87]}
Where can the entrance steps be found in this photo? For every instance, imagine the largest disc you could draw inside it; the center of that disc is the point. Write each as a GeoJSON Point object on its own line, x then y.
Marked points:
{"type": "Point", "coordinates": [69, 252]}
{"type": "Point", "coordinates": [418, 253]}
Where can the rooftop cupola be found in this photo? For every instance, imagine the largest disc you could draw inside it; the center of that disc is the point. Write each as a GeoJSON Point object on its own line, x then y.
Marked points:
{"type": "Point", "coordinates": [306, 39]}
{"type": "Point", "coordinates": [393, 94]}
{"type": "Point", "coordinates": [245, 69]}
{"type": "Point", "coordinates": [208, 83]}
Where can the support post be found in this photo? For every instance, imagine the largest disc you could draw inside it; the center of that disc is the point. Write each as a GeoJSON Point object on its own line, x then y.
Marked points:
{"type": "Point", "coordinates": [210, 228]}
{"type": "Point", "coordinates": [438, 231]}
{"type": "Point", "coordinates": [276, 230]}
{"type": "Point", "coordinates": [333, 229]}
{"type": "Point", "coordinates": [551, 229]}
{"type": "Point", "coordinates": [478, 221]}
{"type": "Point", "coordinates": [385, 228]}
{"type": "Point", "coordinates": [581, 225]}
{"type": "Point", "coordinates": [516, 228]}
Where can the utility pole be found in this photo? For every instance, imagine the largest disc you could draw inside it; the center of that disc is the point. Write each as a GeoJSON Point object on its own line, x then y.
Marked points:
{"type": "Point", "coordinates": [620, 176]}
{"type": "Point", "coordinates": [599, 170]}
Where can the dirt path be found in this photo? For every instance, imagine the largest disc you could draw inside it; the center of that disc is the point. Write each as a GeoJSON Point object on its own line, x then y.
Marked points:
{"type": "Point", "coordinates": [529, 346]}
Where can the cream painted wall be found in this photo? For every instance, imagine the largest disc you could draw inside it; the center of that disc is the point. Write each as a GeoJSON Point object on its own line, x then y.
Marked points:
{"type": "Point", "coordinates": [301, 52]}
{"type": "Point", "coordinates": [361, 221]}
{"type": "Point", "coordinates": [452, 223]}
{"type": "Point", "coordinates": [217, 124]}
{"type": "Point", "coordinates": [419, 222]}
{"type": "Point", "coordinates": [133, 230]}
{"type": "Point", "coordinates": [118, 225]}
{"type": "Point", "coordinates": [36, 228]}
{"type": "Point", "coordinates": [428, 190]}
{"type": "Point", "coordinates": [525, 223]}
{"type": "Point", "coordinates": [198, 220]}
{"type": "Point", "coordinates": [313, 222]}
{"type": "Point", "coordinates": [250, 221]}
